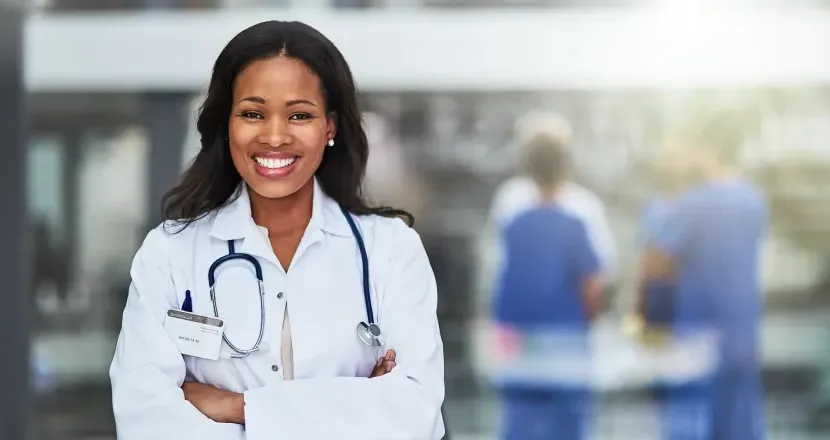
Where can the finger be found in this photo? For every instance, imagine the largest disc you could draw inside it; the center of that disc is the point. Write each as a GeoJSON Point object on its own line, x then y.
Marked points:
{"type": "Point", "coordinates": [379, 367]}
{"type": "Point", "coordinates": [390, 355]}
{"type": "Point", "coordinates": [389, 366]}
{"type": "Point", "coordinates": [380, 370]}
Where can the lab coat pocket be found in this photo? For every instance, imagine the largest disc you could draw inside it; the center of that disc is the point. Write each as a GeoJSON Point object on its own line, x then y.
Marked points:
{"type": "Point", "coordinates": [219, 373]}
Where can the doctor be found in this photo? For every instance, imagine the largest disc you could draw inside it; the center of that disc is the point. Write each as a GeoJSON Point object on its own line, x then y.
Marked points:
{"type": "Point", "coordinates": [277, 187]}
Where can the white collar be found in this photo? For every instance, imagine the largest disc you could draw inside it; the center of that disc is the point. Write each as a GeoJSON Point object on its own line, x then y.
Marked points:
{"type": "Point", "coordinates": [234, 221]}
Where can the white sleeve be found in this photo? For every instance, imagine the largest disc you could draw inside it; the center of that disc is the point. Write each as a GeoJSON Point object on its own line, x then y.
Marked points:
{"type": "Point", "coordinates": [402, 405]}
{"type": "Point", "coordinates": [147, 371]}
{"type": "Point", "coordinates": [506, 202]}
{"type": "Point", "coordinates": [602, 239]}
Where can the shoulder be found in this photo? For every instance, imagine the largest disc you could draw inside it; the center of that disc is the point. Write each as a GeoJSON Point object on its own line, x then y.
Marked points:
{"type": "Point", "coordinates": [515, 190]}
{"type": "Point", "coordinates": [389, 233]}
{"type": "Point", "coordinates": [755, 192]}
{"type": "Point", "coordinates": [583, 197]}
{"type": "Point", "coordinates": [395, 250]}
{"type": "Point", "coordinates": [514, 184]}
{"type": "Point", "coordinates": [697, 196]}
{"type": "Point", "coordinates": [582, 202]}
{"type": "Point", "coordinates": [511, 197]}
{"type": "Point", "coordinates": [170, 236]}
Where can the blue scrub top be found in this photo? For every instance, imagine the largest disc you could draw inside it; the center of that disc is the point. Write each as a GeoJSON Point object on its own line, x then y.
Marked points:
{"type": "Point", "coordinates": [548, 255]}
{"type": "Point", "coordinates": [655, 217]}
{"type": "Point", "coordinates": [715, 233]}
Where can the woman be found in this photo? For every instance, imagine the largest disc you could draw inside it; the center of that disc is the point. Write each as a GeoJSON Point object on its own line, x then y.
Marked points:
{"type": "Point", "coordinates": [548, 294]}
{"type": "Point", "coordinates": [278, 177]}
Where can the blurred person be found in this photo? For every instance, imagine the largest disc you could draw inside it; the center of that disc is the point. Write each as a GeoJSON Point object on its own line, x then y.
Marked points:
{"type": "Point", "coordinates": [520, 192]}
{"type": "Point", "coordinates": [50, 264]}
{"type": "Point", "coordinates": [268, 243]}
{"type": "Point", "coordinates": [549, 291]}
{"type": "Point", "coordinates": [711, 241]}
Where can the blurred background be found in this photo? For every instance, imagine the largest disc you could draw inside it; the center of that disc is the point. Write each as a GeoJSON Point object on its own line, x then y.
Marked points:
{"type": "Point", "coordinates": [111, 87]}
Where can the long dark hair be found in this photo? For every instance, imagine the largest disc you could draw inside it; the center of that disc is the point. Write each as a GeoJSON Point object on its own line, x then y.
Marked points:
{"type": "Point", "coordinates": [212, 181]}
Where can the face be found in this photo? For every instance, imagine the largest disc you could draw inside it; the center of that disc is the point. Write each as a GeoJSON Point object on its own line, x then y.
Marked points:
{"type": "Point", "coordinates": [279, 126]}
{"type": "Point", "coordinates": [673, 163]}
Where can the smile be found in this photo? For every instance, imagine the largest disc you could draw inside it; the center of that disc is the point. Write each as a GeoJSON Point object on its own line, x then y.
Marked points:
{"type": "Point", "coordinates": [273, 163]}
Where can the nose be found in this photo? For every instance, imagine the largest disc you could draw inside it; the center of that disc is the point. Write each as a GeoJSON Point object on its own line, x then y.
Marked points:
{"type": "Point", "coordinates": [275, 134]}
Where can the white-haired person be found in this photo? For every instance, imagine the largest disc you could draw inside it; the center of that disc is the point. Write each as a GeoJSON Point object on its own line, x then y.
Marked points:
{"type": "Point", "coordinates": [519, 193]}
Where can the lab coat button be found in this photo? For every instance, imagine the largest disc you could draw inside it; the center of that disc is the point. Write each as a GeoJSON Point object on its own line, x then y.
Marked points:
{"type": "Point", "coordinates": [279, 295]}
{"type": "Point", "coordinates": [275, 368]}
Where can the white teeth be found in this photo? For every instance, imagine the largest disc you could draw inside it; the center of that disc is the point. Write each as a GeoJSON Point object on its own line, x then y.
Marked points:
{"type": "Point", "coordinates": [268, 162]}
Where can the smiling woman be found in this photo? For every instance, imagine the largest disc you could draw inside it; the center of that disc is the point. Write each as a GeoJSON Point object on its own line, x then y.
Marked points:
{"type": "Point", "coordinates": [278, 102]}
{"type": "Point", "coordinates": [277, 83]}
{"type": "Point", "coordinates": [277, 187]}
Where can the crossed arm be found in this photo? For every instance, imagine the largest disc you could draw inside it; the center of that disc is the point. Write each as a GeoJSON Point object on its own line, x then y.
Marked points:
{"type": "Point", "coordinates": [223, 406]}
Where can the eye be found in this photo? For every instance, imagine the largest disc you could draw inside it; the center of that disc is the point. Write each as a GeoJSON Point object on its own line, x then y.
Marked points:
{"type": "Point", "coordinates": [300, 117]}
{"type": "Point", "coordinates": [251, 115]}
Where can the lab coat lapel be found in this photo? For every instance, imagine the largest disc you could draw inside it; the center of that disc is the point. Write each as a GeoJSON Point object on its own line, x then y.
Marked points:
{"type": "Point", "coordinates": [326, 217]}
{"type": "Point", "coordinates": [234, 222]}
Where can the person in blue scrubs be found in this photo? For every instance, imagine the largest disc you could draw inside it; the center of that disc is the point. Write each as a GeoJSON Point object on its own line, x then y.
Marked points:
{"type": "Point", "coordinates": [549, 285]}
{"type": "Point", "coordinates": [712, 242]}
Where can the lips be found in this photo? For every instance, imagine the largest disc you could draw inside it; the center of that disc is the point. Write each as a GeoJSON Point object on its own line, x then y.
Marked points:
{"type": "Point", "coordinates": [275, 165]}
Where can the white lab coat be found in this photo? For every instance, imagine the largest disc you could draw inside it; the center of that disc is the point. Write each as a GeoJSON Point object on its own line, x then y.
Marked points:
{"type": "Point", "coordinates": [331, 396]}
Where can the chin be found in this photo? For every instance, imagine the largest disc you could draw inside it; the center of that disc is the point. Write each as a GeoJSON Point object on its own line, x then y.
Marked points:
{"type": "Point", "coordinates": [269, 189]}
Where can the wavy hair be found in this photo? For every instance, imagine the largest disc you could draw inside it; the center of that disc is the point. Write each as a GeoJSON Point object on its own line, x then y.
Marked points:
{"type": "Point", "coordinates": [211, 181]}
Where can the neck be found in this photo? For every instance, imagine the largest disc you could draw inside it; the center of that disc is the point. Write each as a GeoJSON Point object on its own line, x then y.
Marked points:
{"type": "Point", "coordinates": [549, 194]}
{"type": "Point", "coordinates": [717, 173]}
{"type": "Point", "coordinates": [284, 215]}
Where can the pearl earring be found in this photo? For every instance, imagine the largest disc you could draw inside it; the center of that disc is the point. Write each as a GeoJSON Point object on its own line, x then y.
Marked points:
{"type": "Point", "coordinates": [331, 143]}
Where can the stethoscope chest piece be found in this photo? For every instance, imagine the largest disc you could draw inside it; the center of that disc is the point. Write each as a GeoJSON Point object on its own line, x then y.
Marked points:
{"type": "Point", "coordinates": [370, 334]}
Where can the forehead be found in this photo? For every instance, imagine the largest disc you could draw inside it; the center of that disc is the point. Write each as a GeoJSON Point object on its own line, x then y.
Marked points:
{"type": "Point", "coordinates": [278, 77]}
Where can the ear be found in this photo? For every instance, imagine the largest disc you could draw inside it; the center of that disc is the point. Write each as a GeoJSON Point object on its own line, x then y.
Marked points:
{"type": "Point", "coordinates": [331, 125]}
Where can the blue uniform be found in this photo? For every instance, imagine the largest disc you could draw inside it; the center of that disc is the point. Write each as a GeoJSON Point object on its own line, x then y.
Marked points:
{"type": "Point", "coordinates": [659, 295]}
{"type": "Point", "coordinates": [715, 235]}
{"type": "Point", "coordinates": [547, 257]}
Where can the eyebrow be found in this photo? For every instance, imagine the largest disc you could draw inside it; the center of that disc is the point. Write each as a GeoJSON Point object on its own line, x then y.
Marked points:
{"type": "Point", "coordinates": [293, 102]}
{"type": "Point", "coordinates": [298, 102]}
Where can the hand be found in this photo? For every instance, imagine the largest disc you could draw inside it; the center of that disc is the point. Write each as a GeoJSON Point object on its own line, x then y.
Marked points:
{"type": "Point", "coordinates": [218, 405]}
{"type": "Point", "coordinates": [385, 364]}
{"type": "Point", "coordinates": [508, 342]}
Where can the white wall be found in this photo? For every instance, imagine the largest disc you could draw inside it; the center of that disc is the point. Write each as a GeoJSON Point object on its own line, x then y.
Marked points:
{"type": "Point", "coordinates": [399, 49]}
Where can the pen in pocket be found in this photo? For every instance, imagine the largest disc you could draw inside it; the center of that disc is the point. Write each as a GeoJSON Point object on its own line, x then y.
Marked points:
{"type": "Point", "coordinates": [187, 305]}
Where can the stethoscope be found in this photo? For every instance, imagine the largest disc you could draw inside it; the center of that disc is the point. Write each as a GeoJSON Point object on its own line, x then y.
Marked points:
{"type": "Point", "coordinates": [368, 331]}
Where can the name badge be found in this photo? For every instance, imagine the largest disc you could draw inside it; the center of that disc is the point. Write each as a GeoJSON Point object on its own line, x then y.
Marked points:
{"type": "Point", "coordinates": [195, 335]}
